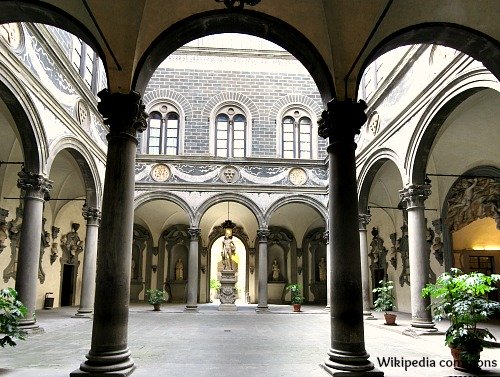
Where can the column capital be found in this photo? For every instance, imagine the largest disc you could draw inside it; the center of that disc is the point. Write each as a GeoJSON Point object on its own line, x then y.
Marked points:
{"type": "Point", "coordinates": [364, 219]}
{"type": "Point", "coordinates": [342, 120]}
{"type": "Point", "coordinates": [124, 113]}
{"type": "Point", "coordinates": [91, 214]}
{"type": "Point", "coordinates": [262, 234]}
{"type": "Point", "coordinates": [35, 185]}
{"type": "Point", "coordinates": [194, 233]}
{"type": "Point", "coordinates": [326, 236]}
{"type": "Point", "coordinates": [415, 195]}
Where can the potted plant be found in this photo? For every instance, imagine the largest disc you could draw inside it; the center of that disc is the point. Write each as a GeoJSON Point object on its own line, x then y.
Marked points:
{"type": "Point", "coordinates": [156, 298]}
{"type": "Point", "coordinates": [385, 301]}
{"type": "Point", "coordinates": [296, 296]}
{"type": "Point", "coordinates": [11, 311]}
{"type": "Point", "coordinates": [462, 298]}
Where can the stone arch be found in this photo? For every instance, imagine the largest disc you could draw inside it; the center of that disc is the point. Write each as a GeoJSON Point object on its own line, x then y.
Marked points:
{"type": "Point", "coordinates": [29, 124]}
{"type": "Point", "coordinates": [369, 170]}
{"type": "Point", "coordinates": [44, 13]}
{"type": "Point", "coordinates": [436, 114]}
{"type": "Point", "coordinates": [246, 22]}
{"type": "Point", "coordinates": [160, 95]}
{"type": "Point", "coordinates": [230, 197]}
{"type": "Point", "coordinates": [86, 162]}
{"type": "Point", "coordinates": [478, 45]}
{"type": "Point", "coordinates": [303, 199]}
{"type": "Point", "coordinates": [164, 195]}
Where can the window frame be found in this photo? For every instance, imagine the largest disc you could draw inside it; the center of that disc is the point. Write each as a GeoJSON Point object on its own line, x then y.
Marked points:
{"type": "Point", "coordinates": [297, 113]}
{"type": "Point", "coordinates": [237, 110]}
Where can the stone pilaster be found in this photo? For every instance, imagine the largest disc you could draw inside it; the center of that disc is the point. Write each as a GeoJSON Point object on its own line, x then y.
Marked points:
{"type": "Point", "coordinates": [262, 306]}
{"type": "Point", "coordinates": [364, 220]}
{"type": "Point", "coordinates": [35, 188]}
{"type": "Point", "coordinates": [414, 197]}
{"type": "Point", "coordinates": [340, 123]}
{"type": "Point", "coordinates": [109, 353]}
{"type": "Point", "coordinates": [193, 281]}
{"type": "Point", "coordinates": [326, 237]}
{"type": "Point", "coordinates": [92, 216]}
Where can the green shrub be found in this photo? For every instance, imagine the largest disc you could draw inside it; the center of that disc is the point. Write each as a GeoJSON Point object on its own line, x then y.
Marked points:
{"type": "Point", "coordinates": [11, 311]}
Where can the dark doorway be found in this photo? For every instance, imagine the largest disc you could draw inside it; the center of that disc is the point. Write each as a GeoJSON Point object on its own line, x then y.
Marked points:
{"type": "Point", "coordinates": [67, 290]}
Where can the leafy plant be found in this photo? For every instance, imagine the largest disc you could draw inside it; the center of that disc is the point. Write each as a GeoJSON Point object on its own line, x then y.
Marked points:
{"type": "Point", "coordinates": [295, 292]}
{"type": "Point", "coordinates": [11, 311]}
{"type": "Point", "coordinates": [462, 298]}
{"type": "Point", "coordinates": [214, 284]}
{"type": "Point", "coordinates": [155, 296]}
{"type": "Point", "coordinates": [385, 298]}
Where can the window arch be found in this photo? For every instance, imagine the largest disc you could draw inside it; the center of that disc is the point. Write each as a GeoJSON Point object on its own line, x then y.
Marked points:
{"type": "Point", "coordinates": [231, 132]}
{"type": "Point", "coordinates": [164, 133]}
{"type": "Point", "coordinates": [296, 134]}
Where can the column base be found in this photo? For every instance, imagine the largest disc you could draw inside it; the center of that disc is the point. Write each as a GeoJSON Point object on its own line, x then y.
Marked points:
{"type": "Point", "coordinates": [423, 326]}
{"type": "Point", "coordinates": [84, 313]}
{"type": "Point", "coordinates": [340, 363]}
{"type": "Point", "coordinates": [191, 309]}
{"type": "Point", "coordinates": [415, 332]}
{"type": "Point", "coordinates": [30, 327]}
{"type": "Point", "coordinates": [262, 309]}
{"type": "Point", "coordinates": [368, 316]}
{"type": "Point", "coordinates": [327, 308]}
{"type": "Point", "coordinates": [101, 364]}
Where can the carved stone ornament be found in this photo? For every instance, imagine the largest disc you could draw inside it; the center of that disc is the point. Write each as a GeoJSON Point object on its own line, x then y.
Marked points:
{"type": "Point", "coordinates": [91, 214]}
{"type": "Point", "coordinates": [471, 199]}
{"type": "Point", "coordinates": [34, 185]}
{"type": "Point", "coordinates": [13, 35]}
{"type": "Point", "coordinates": [415, 195]}
{"type": "Point", "coordinates": [14, 227]}
{"type": "Point", "coordinates": [374, 123]}
{"type": "Point", "coordinates": [364, 219]}
{"type": "Point", "coordinates": [297, 176]}
{"type": "Point", "coordinates": [194, 233]}
{"type": "Point", "coordinates": [71, 245]}
{"type": "Point", "coordinates": [377, 252]}
{"type": "Point", "coordinates": [229, 174]}
{"type": "Point", "coordinates": [437, 243]}
{"type": "Point", "coordinates": [4, 230]}
{"type": "Point", "coordinates": [262, 235]}
{"type": "Point", "coordinates": [160, 173]}
{"type": "Point", "coordinates": [82, 114]}
{"type": "Point", "coordinates": [342, 120]}
{"type": "Point", "coordinates": [124, 113]}
{"type": "Point", "coordinates": [238, 4]}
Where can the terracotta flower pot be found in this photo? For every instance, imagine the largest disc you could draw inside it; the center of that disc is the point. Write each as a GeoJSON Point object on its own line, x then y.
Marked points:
{"type": "Point", "coordinates": [296, 307]}
{"type": "Point", "coordinates": [156, 307]}
{"type": "Point", "coordinates": [460, 364]}
{"type": "Point", "coordinates": [390, 319]}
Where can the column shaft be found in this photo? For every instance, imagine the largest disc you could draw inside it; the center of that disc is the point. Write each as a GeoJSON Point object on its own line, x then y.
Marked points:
{"type": "Point", "coordinates": [262, 305]}
{"type": "Point", "coordinates": [109, 352]}
{"type": "Point", "coordinates": [92, 215]}
{"type": "Point", "coordinates": [347, 353]}
{"type": "Point", "coordinates": [193, 281]}
{"type": "Point", "coordinates": [35, 187]}
{"type": "Point", "coordinates": [364, 219]}
{"type": "Point", "coordinates": [414, 196]}
{"type": "Point", "coordinates": [326, 236]}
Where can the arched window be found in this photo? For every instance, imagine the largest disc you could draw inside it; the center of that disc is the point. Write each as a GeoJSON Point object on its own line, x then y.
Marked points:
{"type": "Point", "coordinates": [230, 133]}
{"type": "Point", "coordinates": [296, 136]}
{"type": "Point", "coordinates": [163, 133]}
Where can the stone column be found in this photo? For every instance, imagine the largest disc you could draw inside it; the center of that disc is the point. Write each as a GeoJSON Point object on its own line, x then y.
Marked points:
{"type": "Point", "coordinates": [414, 197]}
{"type": "Point", "coordinates": [35, 188]}
{"type": "Point", "coordinates": [262, 235]}
{"type": "Point", "coordinates": [326, 237]}
{"type": "Point", "coordinates": [340, 123]}
{"type": "Point", "coordinates": [193, 281]}
{"type": "Point", "coordinates": [364, 219]}
{"type": "Point", "coordinates": [109, 353]}
{"type": "Point", "coordinates": [92, 215]}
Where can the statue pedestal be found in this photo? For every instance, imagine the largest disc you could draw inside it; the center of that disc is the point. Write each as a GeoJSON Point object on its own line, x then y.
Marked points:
{"type": "Point", "coordinates": [227, 292]}
{"type": "Point", "coordinates": [178, 290]}
{"type": "Point", "coordinates": [275, 291]}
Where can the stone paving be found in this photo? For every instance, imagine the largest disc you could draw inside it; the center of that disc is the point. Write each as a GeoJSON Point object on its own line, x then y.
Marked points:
{"type": "Point", "coordinates": [244, 343]}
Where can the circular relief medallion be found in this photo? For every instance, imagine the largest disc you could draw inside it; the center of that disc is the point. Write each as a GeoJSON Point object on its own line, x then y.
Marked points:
{"type": "Point", "coordinates": [82, 114]}
{"type": "Point", "coordinates": [297, 176]}
{"type": "Point", "coordinates": [160, 173]}
{"type": "Point", "coordinates": [229, 174]}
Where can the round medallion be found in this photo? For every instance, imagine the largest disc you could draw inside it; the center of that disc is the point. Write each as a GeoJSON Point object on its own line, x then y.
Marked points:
{"type": "Point", "coordinates": [160, 173]}
{"type": "Point", "coordinates": [82, 114]}
{"type": "Point", "coordinates": [229, 174]}
{"type": "Point", "coordinates": [297, 176]}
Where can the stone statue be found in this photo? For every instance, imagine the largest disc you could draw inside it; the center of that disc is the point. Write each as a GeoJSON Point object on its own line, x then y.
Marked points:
{"type": "Point", "coordinates": [228, 250]}
{"type": "Point", "coordinates": [179, 270]}
{"type": "Point", "coordinates": [275, 270]}
{"type": "Point", "coordinates": [322, 269]}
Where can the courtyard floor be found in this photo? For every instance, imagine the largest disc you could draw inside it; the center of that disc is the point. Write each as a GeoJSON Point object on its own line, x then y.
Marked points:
{"type": "Point", "coordinates": [243, 343]}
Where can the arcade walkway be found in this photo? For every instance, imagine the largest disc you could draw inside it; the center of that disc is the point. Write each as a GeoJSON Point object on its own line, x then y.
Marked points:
{"type": "Point", "coordinates": [210, 343]}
